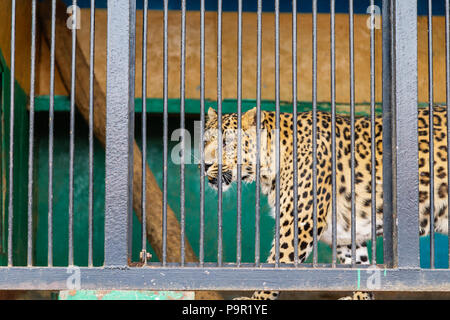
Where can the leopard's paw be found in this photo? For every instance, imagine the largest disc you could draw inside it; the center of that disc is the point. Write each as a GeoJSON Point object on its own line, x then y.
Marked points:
{"type": "Point", "coordinates": [359, 295]}
{"type": "Point", "coordinates": [242, 298]}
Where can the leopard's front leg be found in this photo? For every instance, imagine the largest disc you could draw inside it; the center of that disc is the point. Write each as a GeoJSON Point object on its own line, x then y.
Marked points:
{"type": "Point", "coordinates": [305, 229]}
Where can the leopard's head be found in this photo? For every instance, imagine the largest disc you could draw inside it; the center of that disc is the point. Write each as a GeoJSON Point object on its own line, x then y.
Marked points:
{"type": "Point", "coordinates": [229, 148]}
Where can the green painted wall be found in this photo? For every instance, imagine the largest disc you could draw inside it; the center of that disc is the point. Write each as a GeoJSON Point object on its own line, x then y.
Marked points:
{"type": "Point", "coordinates": [61, 192]}
{"type": "Point", "coordinates": [125, 295]}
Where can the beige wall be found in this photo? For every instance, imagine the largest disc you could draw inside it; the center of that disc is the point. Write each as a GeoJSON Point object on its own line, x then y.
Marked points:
{"type": "Point", "coordinates": [22, 38]}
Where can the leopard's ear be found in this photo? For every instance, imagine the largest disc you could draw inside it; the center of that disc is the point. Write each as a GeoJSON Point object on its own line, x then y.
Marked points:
{"type": "Point", "coordinates": [212, 115]}
{"type": "Point", "coordinates": [249, 119]}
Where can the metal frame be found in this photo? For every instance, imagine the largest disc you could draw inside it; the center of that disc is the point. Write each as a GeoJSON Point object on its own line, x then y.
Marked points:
{"type": "Point", "coordinates": [119, 131]}
{"type": "Point", "coordinates": [225, 278]}
{"type": "Point", "coordinates": [401, 250]}
{"type": "Point", "coordinates": [404, 135]}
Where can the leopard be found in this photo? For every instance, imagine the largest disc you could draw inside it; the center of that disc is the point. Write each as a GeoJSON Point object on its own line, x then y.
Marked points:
{"type": "Point", "coordinates": [361, 193]}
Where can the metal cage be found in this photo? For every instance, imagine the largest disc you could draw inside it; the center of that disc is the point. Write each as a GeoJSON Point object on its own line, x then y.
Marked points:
{"type": "Point", "coordinates": [401, 269]}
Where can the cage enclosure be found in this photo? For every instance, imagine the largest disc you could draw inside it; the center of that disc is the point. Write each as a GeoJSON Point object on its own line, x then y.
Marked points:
{"type": "Point", "coordinates": [76, 79]}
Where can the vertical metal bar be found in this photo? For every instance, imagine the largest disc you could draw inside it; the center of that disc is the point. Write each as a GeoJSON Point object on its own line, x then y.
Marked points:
{"type": "Point", "coordinates": [352, 129]}
{"type": "Point", "coordinates": [405, 184]}
{"type": "Point", "coordinates": [258, 134]}
{"type": "Point", "coordinates": [431, 128]}
{"type": "Point", "coordinates": [314, 132]}
{"type": "Point", "coordinates": [277, 132]}
{"type": "Point", "coordinates": [51, 138]}
{"type": "Point", "coordinates": [11, 135]}
{"type": "Point", "coordinates": [119, 130]}
{"type": "Point", "coordinates": [333, 132]}
{"type": "Point", "coordinates": [91, 135]}
{"type": "Point", "coordinates": [294, 126]}
{"type": "Point", "coordinates": [31, 134]}
{"type": "Point", "coordinates": [239, 136]}
{"type": "Point", "coordinates": [219, 112]}
{"type": "Point", "coordinates": [388, 230]}
{"type": "Point", "coordinates": [144, 132]}
{"type": "Point", "coordinates": [132, 87]}
{"type": "Point", "coordinates": [72, 128]}
{"type": "Point", "coordinates": [202, 128]}
{"type": "Point", "coordinates": [182, 125]}
{"type": "Point", "coordinates": [447, 59]}
{"type": "Point", "coordinates": [372, 134]}
{"type": "Point", "coordinates": [165, 130]}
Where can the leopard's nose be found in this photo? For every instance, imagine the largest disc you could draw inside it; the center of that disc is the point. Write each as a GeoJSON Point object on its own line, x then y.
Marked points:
{"type": "Point", "coordinates": [207, 166]}
{"type": "Point", "coordinates": [212, 181]}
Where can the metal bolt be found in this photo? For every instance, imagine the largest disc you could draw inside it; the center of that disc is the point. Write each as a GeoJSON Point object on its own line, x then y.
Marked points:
{"type": "Point", "coordinates": [145, 254]}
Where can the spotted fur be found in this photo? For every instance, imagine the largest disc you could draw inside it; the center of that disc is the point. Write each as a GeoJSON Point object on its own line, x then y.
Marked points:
{"type": "Point", "coordinates": [343, 173]}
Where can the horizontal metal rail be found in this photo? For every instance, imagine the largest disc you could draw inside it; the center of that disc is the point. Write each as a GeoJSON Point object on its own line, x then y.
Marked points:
{"type": "Point", "coordinates": [232, 278]}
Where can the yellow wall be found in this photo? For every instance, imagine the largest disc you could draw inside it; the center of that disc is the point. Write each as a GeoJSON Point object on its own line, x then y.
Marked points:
{"type": "Point", "coordinates": [22, 40]}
